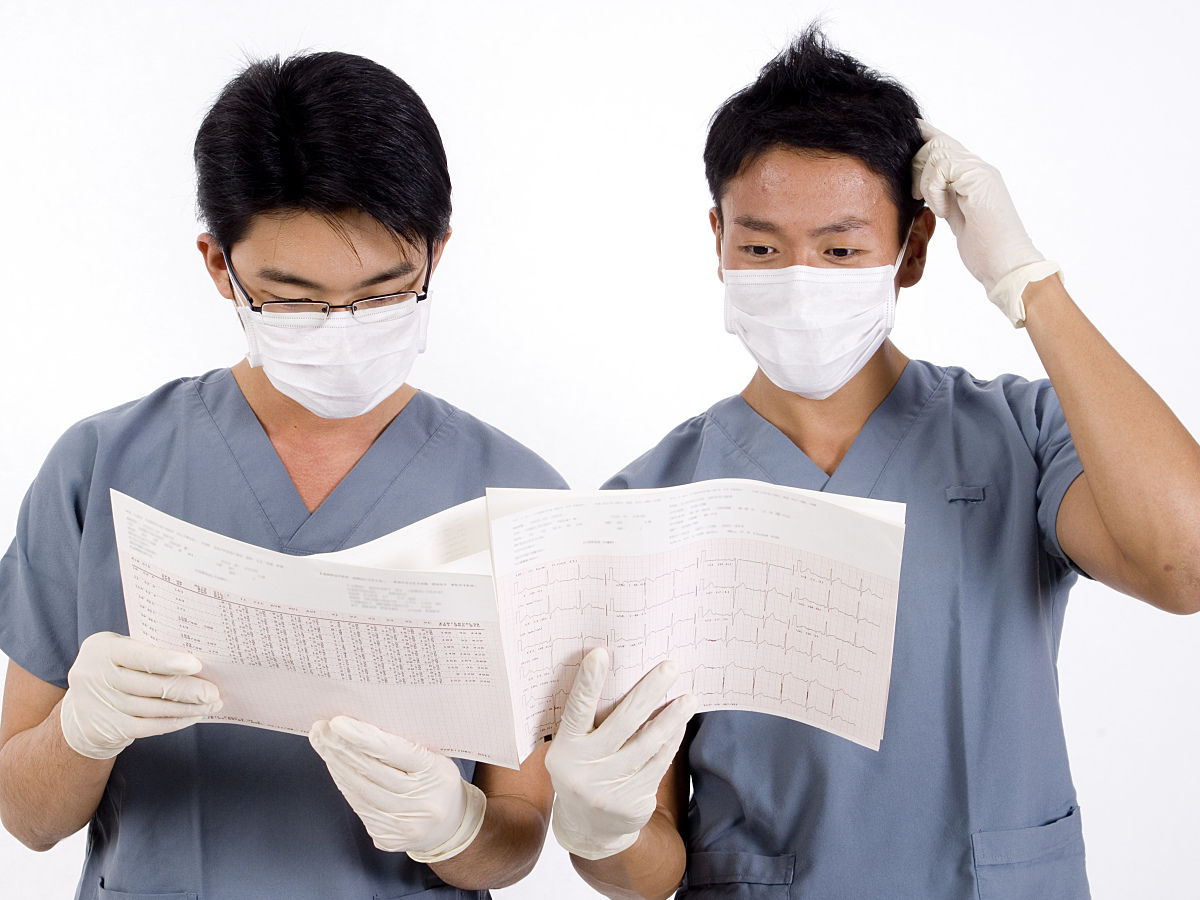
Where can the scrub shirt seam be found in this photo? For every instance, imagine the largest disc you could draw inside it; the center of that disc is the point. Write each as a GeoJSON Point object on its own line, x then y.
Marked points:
{"type": "Point", "coordinates": [399, 475]}
{"type": "Point", "coordinates": [916, 417]}
{"type": "Point", "coordinates": [237, 463]}
{"type": "Point", "coordinates": [742, 449]}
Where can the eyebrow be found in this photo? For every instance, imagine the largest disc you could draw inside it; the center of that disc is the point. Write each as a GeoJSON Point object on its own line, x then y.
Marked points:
{"type": "Point", "coordinates": [279, 276]}
{"type": "Point", "coordinates": [761, 225]}
{"type": "Point", "coordinates": [850, 223]}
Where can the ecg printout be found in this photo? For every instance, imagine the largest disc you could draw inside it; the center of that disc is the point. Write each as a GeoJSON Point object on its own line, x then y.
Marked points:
{"type": "Point", "coordinates": [291, 640]}
{"type": "Point", "coordinates": [771, 599]}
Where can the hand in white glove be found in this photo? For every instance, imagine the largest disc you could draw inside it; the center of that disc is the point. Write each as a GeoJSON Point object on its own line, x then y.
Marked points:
{"type": "Point", "coordinates": [606, 778]}
{"type": "Point", "coordinates": [409, 798]}
{"type": "Point", "coordinates": [970, 194]}
{"type": "Point", "coordinates": [120, 689]}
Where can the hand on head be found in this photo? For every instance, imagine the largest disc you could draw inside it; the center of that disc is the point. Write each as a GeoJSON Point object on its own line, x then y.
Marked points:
{"type": "Point", "coordinates": [970, 194]}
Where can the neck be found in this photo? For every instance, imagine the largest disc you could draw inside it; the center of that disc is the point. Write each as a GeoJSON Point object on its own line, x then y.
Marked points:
{"type": "Point", "coordinates": [825, 429]}
{"type": "Point", "coordinates": [317, 453]}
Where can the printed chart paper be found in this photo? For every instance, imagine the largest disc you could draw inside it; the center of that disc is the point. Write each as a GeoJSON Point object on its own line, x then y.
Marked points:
{"type": "Point", "coordinates": [770, 599]}
{"type": "Point", "coordinates": [291, 640]}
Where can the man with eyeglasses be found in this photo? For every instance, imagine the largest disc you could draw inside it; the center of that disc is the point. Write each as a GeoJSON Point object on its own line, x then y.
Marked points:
{"type": "Point", "coordinates": [323, 183]}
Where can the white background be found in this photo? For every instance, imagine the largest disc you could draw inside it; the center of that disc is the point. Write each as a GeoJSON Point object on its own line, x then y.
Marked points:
{"type": "Point", "coordinates": [577, 306]}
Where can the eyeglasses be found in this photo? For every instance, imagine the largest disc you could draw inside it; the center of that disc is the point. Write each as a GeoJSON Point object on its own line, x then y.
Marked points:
{"type": "Point", "coordinates": [322, 309]}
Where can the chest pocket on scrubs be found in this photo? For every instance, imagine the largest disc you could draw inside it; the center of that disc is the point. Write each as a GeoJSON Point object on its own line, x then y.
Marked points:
{"type": "Point", "coordinates": [968, 493]}
{"type": "Point", "coordinates": [737, 876]}
{"type": "Point", "coordinates": [1032, 863]}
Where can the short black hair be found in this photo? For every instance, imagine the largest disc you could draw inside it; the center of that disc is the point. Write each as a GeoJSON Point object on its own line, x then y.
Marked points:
{"type": "Point", "coordinates": [324, 133]}
{"type": "Point", "coordinates": [814, 97]}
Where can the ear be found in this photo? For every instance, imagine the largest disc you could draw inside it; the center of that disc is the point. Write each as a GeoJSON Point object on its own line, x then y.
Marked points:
{"type": "Point", "coordinates": [714, 221]}
{"type": "Point", "coordinates": [214, 261]}
{"type": "Point", "coordinates": [913, 265]}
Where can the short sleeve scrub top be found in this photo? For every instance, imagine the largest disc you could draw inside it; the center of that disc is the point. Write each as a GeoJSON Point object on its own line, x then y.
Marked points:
{"type": "Point", "coordinates": [970, 794]}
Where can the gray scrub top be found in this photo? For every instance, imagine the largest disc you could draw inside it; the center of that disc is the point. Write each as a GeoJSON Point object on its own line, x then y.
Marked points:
{"type": "Point", "coordinates": [969, 795]}
{"type": "Point", "coordinates": [221, 811]}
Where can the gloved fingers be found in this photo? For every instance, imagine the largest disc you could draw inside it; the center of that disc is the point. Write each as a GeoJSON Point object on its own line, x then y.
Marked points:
{"type": "Point", "coordinates": [337, 755]}
{"type": "Point", "coordinates": [181, 688]}
{"type": "Point", "coordinates": [130, 654]}
{"type": "Point", "coordinates": [920, 163]}
{"type": "Point", "coordinates": [150, 708]}
{"type": "Point", "coordinates": [930, 185]}
{"type": "Point", "coordinates": [397, 752]}
{"type": "Point", "coordinates": [370, 774]}
{"type": "Point", "coordinates": [579, 713]}
{"type": "Point", "coordinates": [363, 791]}
{"type": "Point", "coordinates": [426, 769]}
{"type": "Point", "coordinates": [633, 711]}
{"type": "Point", "coordinates": [666, 728]}
{"type": "Point", "coordinates": [655, 769]}
{"type": "Point", "coordinates": [944, 175]}
{"type": "Point", "coordinates": [318, 733]}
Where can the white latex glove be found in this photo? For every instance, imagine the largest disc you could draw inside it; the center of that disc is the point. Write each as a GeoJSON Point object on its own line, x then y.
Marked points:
{"type": "Point", "coordinates": [606, 778]}
{"type": "Point", "coordinates": [120, 689]}
{"type": "Point", "coordinates": [970, 194]}
{"type": "Point", "coordinates": [409, 798]}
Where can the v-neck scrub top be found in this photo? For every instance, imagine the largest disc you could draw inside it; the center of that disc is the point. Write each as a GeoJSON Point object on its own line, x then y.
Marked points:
{"type": "Point", "coordinates": [969, 795]}
{"type": "Point", "coordinates": [220, 811]}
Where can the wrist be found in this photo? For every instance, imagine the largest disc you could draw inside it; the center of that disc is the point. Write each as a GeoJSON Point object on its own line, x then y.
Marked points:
{"type": "Point", "coordinates": [75, 736]}
{"type": "Point", "coordinates": [1009, 293]}
{"type": "Point", "coordinates": [586, 842]}
{"type": "Point", "coordinates": [468, 829]}
{"type": "Point", "coordinates": [1038, 294]}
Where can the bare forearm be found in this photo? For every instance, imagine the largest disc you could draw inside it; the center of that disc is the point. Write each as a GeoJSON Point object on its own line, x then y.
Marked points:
{"type": "Point", "coordinates": [1142, 466]}
{"type": "Point", "coordinates": [503, 852]}
{"type": "Point", "coordinates": [649, 870]}
{"type": "Point", "coordinates": [47, 790]}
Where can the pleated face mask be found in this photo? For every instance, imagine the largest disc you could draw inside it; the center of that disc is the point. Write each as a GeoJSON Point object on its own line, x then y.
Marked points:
{"type": "Point", "coordinates": [811, 329]}
{"type": "Point", "coordinates": [337, 362]}
{"type": "Point", "coordinates": [341, 365]}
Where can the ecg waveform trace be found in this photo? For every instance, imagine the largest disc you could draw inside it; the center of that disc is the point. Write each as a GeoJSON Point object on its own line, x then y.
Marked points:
{"type": "Point", "coordinates": [753, 625]}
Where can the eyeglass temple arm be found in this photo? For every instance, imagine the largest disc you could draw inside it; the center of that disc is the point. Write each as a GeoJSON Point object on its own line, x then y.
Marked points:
{"type": "Point", "coordinates": [235, 283]}
{"type": "Point", "coordinates": [428, 269]}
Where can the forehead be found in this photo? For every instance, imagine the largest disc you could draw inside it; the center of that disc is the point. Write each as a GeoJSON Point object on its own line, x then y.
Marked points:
{"type": "Point", "coordinates": [807, 189]}
{"type": "Point", "coordinates": [303, 238]}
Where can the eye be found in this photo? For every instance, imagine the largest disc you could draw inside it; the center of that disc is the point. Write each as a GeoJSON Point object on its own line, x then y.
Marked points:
{"type": "Point", "coordinates": [841, 252]}
{"type": "Point", "coordinates": [760, 251]}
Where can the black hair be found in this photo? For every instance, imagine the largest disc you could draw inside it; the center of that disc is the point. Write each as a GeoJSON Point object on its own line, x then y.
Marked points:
{"type": "Point", "coordinates": [814, 97]}
{"type": "Point", "coordinates": [324, 133]}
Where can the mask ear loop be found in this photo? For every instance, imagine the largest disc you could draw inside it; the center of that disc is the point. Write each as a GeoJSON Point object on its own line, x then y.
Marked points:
{"type": "Point", "coordinates": [904, 246]}
{"type": "Point", "coordinates": [891, 307]}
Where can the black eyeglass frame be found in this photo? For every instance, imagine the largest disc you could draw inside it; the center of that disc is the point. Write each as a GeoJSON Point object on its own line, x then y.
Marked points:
{"type": "Point", "coordinates": [240, 292]}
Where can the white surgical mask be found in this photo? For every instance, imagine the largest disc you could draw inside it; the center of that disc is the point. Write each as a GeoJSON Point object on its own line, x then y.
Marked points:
{"type": "Point", "coordinates": [811, 329]}
{"type": "Point", "coordinates": [343, 366]}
